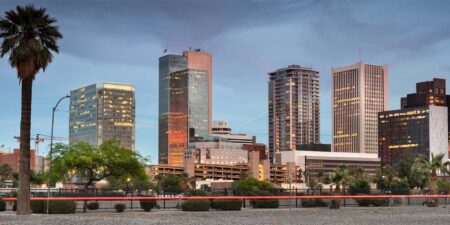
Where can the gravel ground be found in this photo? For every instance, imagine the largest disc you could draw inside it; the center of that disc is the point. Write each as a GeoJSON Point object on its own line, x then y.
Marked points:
{"type": "Point", "coordinates": [343, 216]}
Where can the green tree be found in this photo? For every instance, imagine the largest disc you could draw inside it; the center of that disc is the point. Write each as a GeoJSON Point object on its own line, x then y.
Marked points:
{"type": "Point", "coordinates": [90, 164]}
{"type": "Point", "coordinates": [130, 184]}
{"type": "Point", "coordinates": [173, 183]}
{"type": "Point", "coordinates": [29, 37]}
{"type": "Point", "coordinates": [251, 186]}
{"type": "Point", "coordinates": [383, 178]}
{"type": "Point", "coordinates": [6, 173]}
{"type": "Point", "coordinates": [433, 166]}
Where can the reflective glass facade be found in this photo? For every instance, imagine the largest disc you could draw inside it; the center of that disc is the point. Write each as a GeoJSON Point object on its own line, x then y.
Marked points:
{"type": "Point", "coordinates": [188, 116]}
{"type": "Point", "coordinates": [167, 65]}
{"type": "Point", "coordinates": [101, 113]}
{"type": "Point", "coordinates": [184, 102]}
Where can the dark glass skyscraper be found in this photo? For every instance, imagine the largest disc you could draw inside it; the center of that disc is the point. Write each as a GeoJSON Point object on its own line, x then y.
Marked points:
{"type": "Point", "coordinates": [167, 65]}
{"type": "Point", "coordinates": [102, 112]}
{"type": "Point", "coordinates": [185, 103]}
{"type": "Point", "coordinates": [420, 126]}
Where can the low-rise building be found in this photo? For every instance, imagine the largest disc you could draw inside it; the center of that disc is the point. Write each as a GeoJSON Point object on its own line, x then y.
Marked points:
{"type": "Point", "coordinates": [315, 162]}
{"type": "Point", "coordinates": [12, 159]}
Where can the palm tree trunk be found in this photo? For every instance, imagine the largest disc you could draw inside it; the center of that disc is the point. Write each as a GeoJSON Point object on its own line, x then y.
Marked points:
{"type": "Point", "coordinates": [23, 194]}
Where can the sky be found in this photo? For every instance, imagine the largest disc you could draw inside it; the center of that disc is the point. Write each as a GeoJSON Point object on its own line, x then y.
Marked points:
{"type": "Point", "coordinates": [121, 41]}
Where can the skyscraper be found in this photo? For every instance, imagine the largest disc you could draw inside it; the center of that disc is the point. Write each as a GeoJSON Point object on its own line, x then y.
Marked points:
{"type": "Point", "coordinates": [99, 113]}
{"type": "Point", "coordinates": [419, 127]}
{"type": "Point", "coordinates": [167, 65]}
{"type": "Point", "coordinates": [294, 108]}
{"type": "Point", "coordinates": [359, 93]}
{"type": "Point", "coordinates": [185, 103]}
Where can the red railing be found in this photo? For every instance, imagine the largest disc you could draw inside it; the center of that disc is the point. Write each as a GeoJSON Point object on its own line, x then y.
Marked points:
{"type": "Point", "coordinates": [231, 197]}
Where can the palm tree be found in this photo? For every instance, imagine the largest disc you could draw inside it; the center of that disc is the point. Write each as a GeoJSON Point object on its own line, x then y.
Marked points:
{"type": "Point", "coordinates": [29, 36]}
{"type": "Point", "coordinates": [433, 166]}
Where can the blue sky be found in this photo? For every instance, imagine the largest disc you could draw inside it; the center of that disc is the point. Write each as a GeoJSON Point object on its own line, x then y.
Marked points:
{"type": "Point", "coordinates": [120, 41]}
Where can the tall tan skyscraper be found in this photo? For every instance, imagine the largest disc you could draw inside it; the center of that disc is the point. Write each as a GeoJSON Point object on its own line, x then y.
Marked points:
{"type": "Point", "coordinates": [359, 93]}
{"type": "Point", "coordinates": [294, 108]}
{"type": "Point", "coordinates": [185, 93]}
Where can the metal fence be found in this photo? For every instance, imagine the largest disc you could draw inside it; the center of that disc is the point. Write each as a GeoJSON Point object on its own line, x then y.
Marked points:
{"type": "Point", "coordinates": [288, 198]}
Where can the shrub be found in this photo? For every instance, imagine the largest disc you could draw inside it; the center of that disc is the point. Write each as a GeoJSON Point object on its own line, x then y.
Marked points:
{"type": "Point", "coordinates": [147, 205]}
{"type": "Point", "coordinates": [363, 202]}
{"type": "Point", "coordinates": [335, 204]}
{"type": "Point", "coordinates": [227, 204]}
{"type": "Point", "coordinates": [38, 206]}
{"type": "Point", "coordinates": [196, 205]}
{"type": "Point", "coordinates": [380, 202]}
{"type": "Point", "coordinates": [265, 203]}
{"type": "Point", "coordinates": [2, 205]}
{"type": "Point", "coordinates": [198, 192]}
{"type": "Point", "coordinates": [62, 207]}
{"type": "Point", "coordinates": [313, 202]}
{"type": "Point", "coordinates": [359, 187]}
{"type": "Point", "coordinates": [93, 205]}
{"type": "Point", "coordinates": [119, 208]}
{"type": "Point", "coordinates": [55, 207]}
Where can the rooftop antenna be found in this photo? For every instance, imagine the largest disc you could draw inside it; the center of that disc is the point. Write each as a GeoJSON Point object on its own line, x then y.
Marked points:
{"type": "Point", "coordinates": [359, 54]}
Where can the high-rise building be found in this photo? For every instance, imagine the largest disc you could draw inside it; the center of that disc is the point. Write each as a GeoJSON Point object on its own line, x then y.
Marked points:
{"type": "Point", "coordinates": [294, 108]}
{"type": "Point", "coordinates": [223, 130]}
{"type": "Point", "coordinates": [185, 103]}
{"type": "Point", "coordinates": [427, 93]}
{"type": "Point", "coordinates": [359, 93]}
{"type": "Point", "coordinates": [99, 113]}
{"type": "Point", "coordinates": [421, 130]}
{"type": "Point", "coordinates": [420, 126]}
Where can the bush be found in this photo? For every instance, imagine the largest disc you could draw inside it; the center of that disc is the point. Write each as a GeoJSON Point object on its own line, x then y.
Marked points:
{"type": "Point", "coordinates": [265, 203]}
{"type": "Point", "coordinates": [227, 204]}
{"type": "Point", "coordinates": [55, 207]}
{"type": "Point", "coordinates": [119, 208]}
{"type": "Point", "coordinates": [313, 202]}
{"type": "Point", "coordinates": [38, 206]}
{"type": "Point", "coordinates": [93, 205]}
{"type": "Point", "coordinates": [196, 205]}
{"type": "Point", "coordinates": [363, 202]}
{"type": "Point", "coordinates": [376, 202]}
{"type": "Point", "coordinates": [359, 187]}
{"type": "Point", "coordinates": [2, 205]}
{"type": "Point", "coordinates": [147, 205]}
{"type": "Point", "coordinates": [198, 192]}
{"type": "Point", "coordinates": [380, 202]}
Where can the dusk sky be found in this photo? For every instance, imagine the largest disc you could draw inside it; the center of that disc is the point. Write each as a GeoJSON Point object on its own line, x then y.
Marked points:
{"type": "Point", "coordinates": [121, 41]}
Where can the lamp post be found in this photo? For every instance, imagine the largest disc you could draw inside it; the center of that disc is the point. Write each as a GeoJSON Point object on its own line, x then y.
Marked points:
{"type": "Point", "coordinates": [51, 151]}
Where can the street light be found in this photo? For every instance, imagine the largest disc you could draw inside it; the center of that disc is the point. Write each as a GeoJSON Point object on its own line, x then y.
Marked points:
{"type": "Point", "coordinates": [51, 150]}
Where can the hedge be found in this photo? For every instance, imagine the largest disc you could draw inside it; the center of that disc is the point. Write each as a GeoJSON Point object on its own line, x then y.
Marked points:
{"type": "Point", "coordinates": [55, 207]}
{"type": "Point", "coordinates": [313, 202]}
{"type": "Point", "coordinates": [196, 205]}
{"type": "Point", "coordinates": [365, 202]}
{"type": "Point", "coordinates": [2, 205]}
{"type": "Point", "coordinates": [93, 205]}
{"type": "Point", "coordinates": [120, 207]}
{"type": "Point", "coordinates": [147, 205]}
{"type": "Point", "coordinates": [265, 203]}
{"type": "Point", "coordinates": [227, 204]}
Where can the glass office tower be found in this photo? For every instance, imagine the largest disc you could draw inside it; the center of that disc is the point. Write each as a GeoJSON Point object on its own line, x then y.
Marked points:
{"type": "Point", "coordinates": [102, 112]}
{"type": "Point", "coordinates": [167, 65]}
{"type": "Point", "coordinates": [184, 103]}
